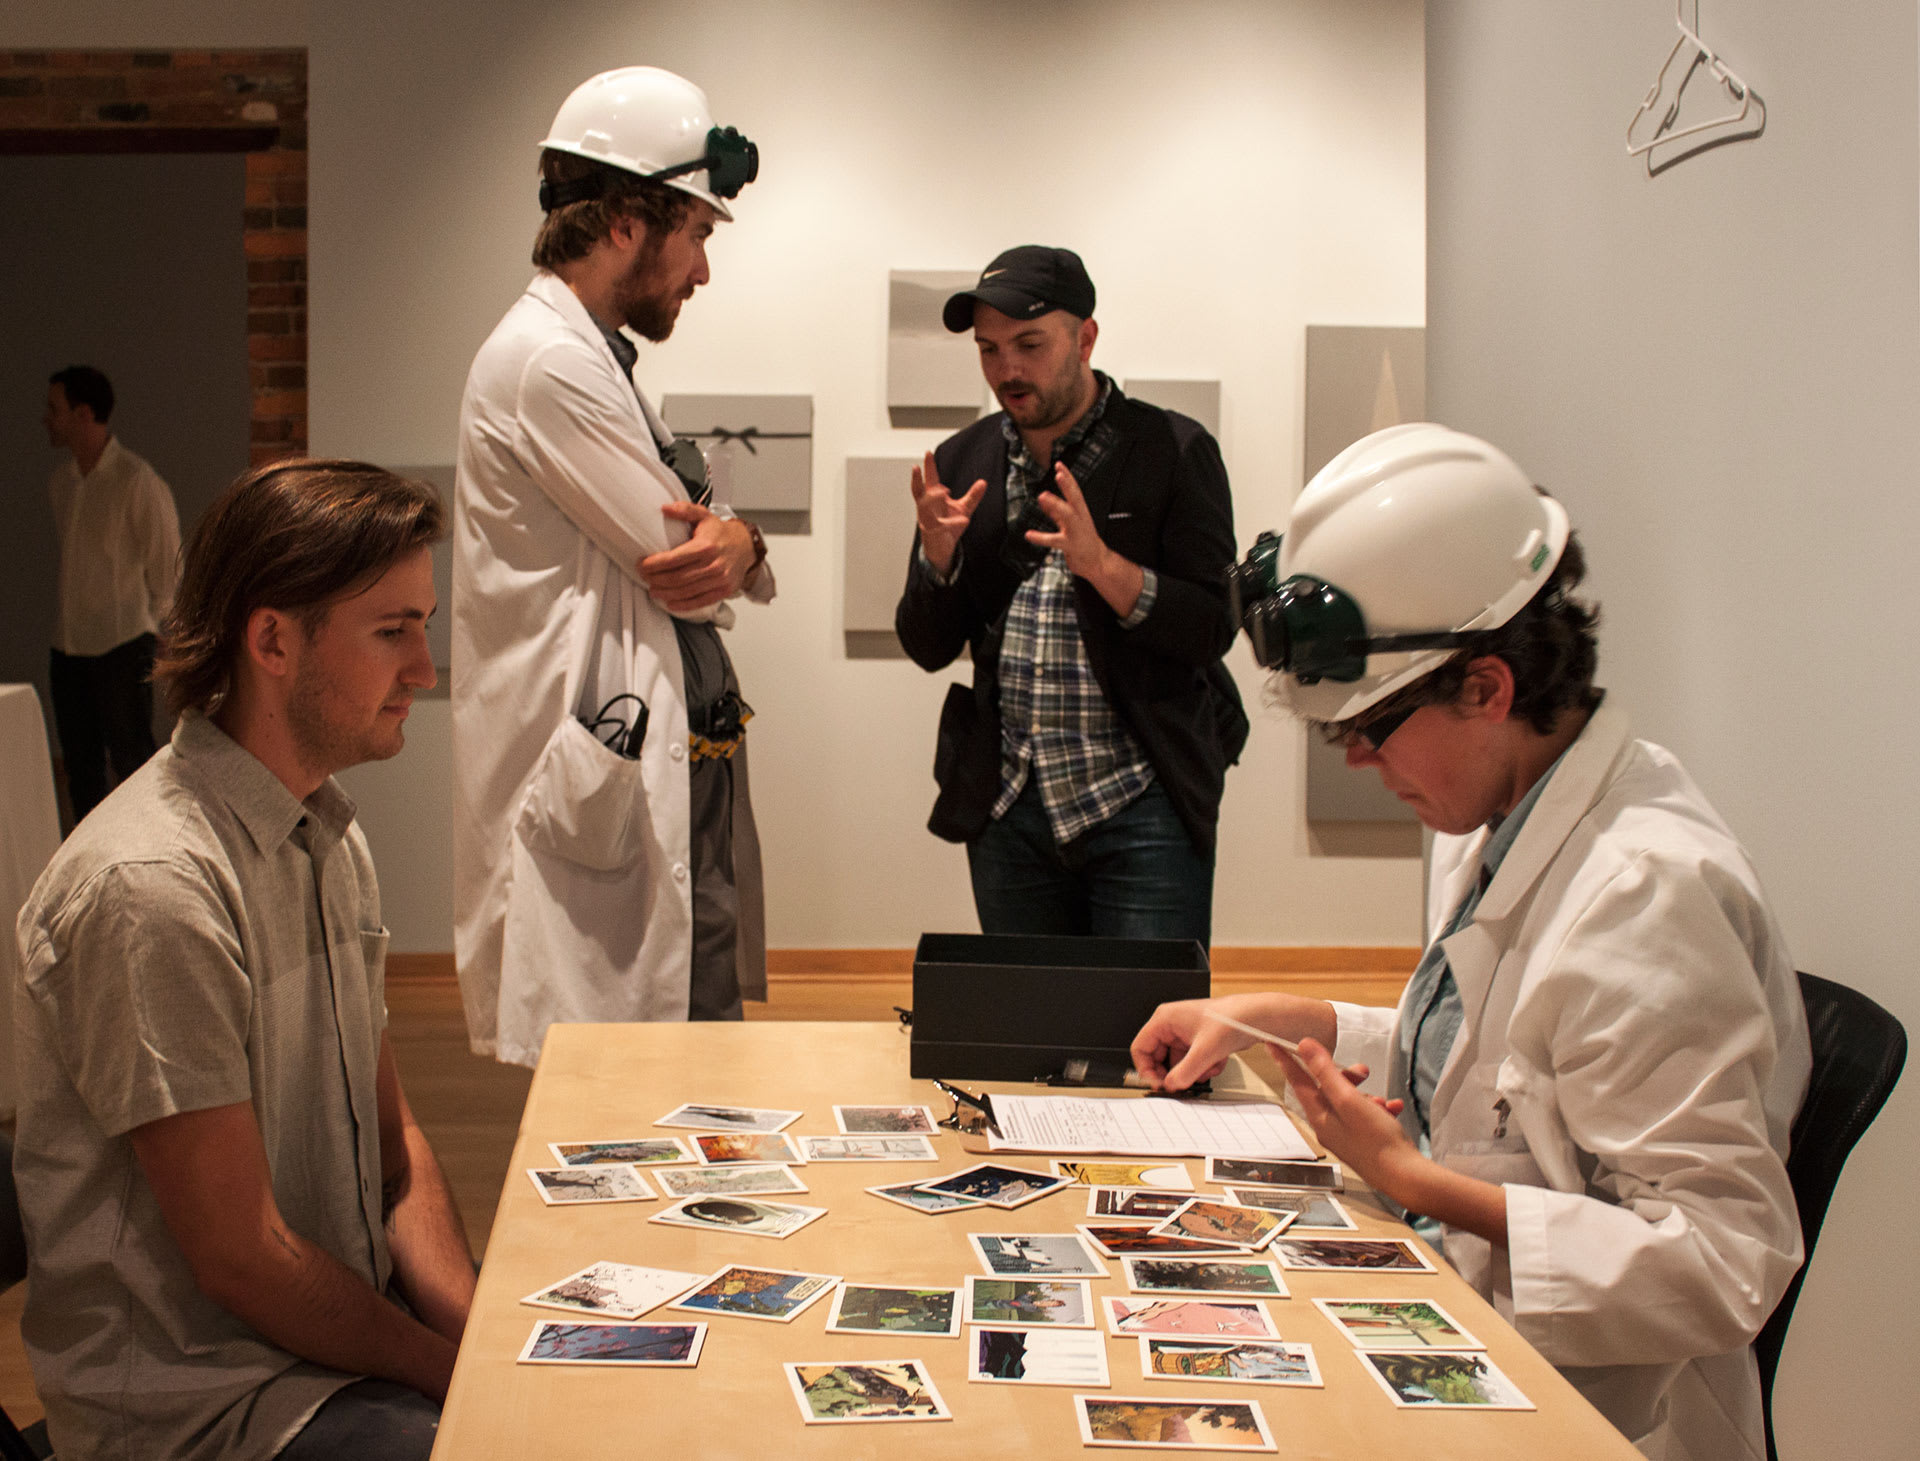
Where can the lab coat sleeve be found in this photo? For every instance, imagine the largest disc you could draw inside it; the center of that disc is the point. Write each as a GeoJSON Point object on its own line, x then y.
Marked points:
{"type": "Point", "coordinates": [580, 446]}
{"type": "Point", "coordinates": [1365, 1037]}
{"type": "Point", "coordinates": [1661, 1047]}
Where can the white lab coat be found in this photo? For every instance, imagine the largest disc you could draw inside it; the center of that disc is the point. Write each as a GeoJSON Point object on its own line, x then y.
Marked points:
{"type": "Point", "coordinates": [572, 889]}
{"type": "Point", "coordinates": [1633, 1051]}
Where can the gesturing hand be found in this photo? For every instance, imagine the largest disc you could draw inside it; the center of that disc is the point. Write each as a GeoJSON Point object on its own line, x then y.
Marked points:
{"type": "Point", "coordinates": [943, 517]}
{"type": "Point", "coordinates": [1117, 579]}
{"type": "Point", "coordinates": [710, 566]}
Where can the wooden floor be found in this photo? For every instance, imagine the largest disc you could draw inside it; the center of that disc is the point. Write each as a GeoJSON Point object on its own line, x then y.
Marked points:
{"type": "Point", "coordinates": [470, 1107]}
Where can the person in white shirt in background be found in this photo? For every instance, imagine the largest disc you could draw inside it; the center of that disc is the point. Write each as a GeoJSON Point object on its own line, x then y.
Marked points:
{"type": "Point", "coordinates": [119, 555]}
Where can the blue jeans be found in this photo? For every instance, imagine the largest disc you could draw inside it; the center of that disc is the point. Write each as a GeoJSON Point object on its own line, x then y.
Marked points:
{"type": "Point", "coordinates": [369, 1420]}
{"type": "Point", "coordinates": [1135, 875]}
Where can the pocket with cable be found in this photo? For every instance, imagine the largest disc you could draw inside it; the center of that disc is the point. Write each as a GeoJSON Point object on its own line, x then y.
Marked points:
{"type": "Point", "coordinates": [580, 804]}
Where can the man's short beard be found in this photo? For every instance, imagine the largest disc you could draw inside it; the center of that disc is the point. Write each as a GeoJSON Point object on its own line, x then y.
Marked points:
{"type": "Point", "coordinates": [650, 314]}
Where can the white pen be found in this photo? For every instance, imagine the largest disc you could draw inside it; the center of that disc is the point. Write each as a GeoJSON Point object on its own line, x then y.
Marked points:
{"type": "Point", "coordinates": [1287, 1045]}
{"type": "Point", "coordinates": [1245, 1029]}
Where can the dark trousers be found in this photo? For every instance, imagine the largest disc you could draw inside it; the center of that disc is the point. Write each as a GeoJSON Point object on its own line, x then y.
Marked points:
{"type": "Point", "coordinates": [103, 705]}
{"type": "Point", "coordinates": [369, 1420]}
{"type": "Point", "coordinates": [1135, 875]}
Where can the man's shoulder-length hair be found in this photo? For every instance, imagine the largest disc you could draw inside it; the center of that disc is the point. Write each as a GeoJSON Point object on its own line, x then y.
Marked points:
{"type": "Point", "coordinates": [293, 536]}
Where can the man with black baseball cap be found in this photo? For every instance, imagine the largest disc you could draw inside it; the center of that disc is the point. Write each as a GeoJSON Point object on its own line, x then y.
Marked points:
{"type": "Point", "coordinates": [1084, 569]}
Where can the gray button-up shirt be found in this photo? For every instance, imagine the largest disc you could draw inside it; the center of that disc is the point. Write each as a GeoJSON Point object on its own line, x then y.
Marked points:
{"type": "Point", "coordinates": [202, 939]}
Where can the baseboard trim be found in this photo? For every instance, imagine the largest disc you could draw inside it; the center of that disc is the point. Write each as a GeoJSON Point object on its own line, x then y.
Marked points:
{"type": "Point", "coordinates": [1232, 965]}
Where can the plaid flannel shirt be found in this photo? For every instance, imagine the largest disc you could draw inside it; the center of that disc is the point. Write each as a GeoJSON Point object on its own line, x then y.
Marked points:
{"type": "Point", "coordinates": [1055, 722]}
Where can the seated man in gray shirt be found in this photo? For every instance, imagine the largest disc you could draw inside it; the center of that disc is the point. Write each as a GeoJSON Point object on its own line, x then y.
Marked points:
{"type": "Point", "coordinates": [241, 1244]}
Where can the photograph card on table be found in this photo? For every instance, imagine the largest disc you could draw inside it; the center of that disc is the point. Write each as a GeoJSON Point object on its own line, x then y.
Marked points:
{"type": "Point", "coordinates": [717, 1148]}
{"type": "Point", "coordinates": [1243, 1172]}
{"type": "Point", "coordinates": [872, 1308]}
{"type": "Point", "coordinates": [1229, 1361]}
{"type": "Point", "coordinates": [1116, 1240]}
{"type": "Point", "coordinates": [1001, 1356]}
{"type": "Point", "coordinates": [868, 1149]}
{"type": "Point", "coordinates": [737, 1179]}
{"type": "Point", "coordinates": [1311, 1209]}
{"type": "Point", "coordinates": [884, 1120]}
{"type": "Point", "coordinates": [1144, 1205]}
{"type": "Point", "coordinates": [777, 1294]}
{"type": "Point", "coordinates": [1346, 1255]}
{"type": "Point", "coordinates": [1169, 1176]}
{"type": "Point", "coordinates": [907, 1195]}
{"type": "Point", "coordinates": [1209, 1220]}
{"type": "Point", "coordinates": [614, 1290]}
{"type": "Point", "coordinates": [1245, 1277]}
{"type": "Point", "coordinates": [995, 1184]}
{"type": "Point", "coordinates": [745, 1215]}
{"type": "Point", "coordinates": [729, 1118]}
{"type": "Point", "coordinates": [566, 1186]}
{"type": "Point", "coordinates": [842, 1392]}
{"type": "Point", "coordinates": [1396, 1324]}
{"type": "Point", "coordinates": [639, 1151]}
{"type": "Point", "coordinates": [1442, 1379]}
{"type": "Point", "coordinates": [1172, 1425]}
{"type": "Point", "coordinates": [1030, 1303]}
{"type": "Point", "coordinates": [576, 1342]}
{"type": "Point", "coordinates": [1050, 1255]}
{"type": "Point", "coordinates": [1190, 1318]}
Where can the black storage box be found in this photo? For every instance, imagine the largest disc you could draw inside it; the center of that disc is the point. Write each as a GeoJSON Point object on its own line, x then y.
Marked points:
{"type": "Point", "coordinates": [1005, 1007]}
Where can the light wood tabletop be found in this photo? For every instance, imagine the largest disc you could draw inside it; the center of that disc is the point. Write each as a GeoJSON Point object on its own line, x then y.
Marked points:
{"type": "Point", "coordinates": [614, 1081]}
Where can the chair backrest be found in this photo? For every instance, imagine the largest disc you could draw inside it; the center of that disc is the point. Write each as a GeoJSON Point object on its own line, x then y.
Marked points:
{"type": "Point", "coordinates": [1858, 1050]}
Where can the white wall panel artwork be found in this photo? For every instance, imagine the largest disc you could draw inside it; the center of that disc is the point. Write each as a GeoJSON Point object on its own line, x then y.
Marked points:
{"type": "Point", "coordinates": [759, 450]}
{"type": "Point", "coordinates": [933, 375]}
{"type": "Point", "coordinates": [1199, 399]}
{"type": "Point", "coordinates": [1360, 379]}
{"type": "Point", "coordinates": [879, 532]}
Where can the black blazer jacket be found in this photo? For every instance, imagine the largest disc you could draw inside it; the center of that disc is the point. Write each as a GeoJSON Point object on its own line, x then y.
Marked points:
{"type": "Point", "coordinates": [1159, 497]}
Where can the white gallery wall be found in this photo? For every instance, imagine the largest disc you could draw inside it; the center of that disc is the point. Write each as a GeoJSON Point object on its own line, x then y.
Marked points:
{"type": "Point", "coordinates": [1231, 172]}
{"type": "Point", "coordinates": [1718, 370]}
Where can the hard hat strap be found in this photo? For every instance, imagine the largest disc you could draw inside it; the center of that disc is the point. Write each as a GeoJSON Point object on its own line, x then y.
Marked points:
{"type": "Point", "coordinates": [579, 190]}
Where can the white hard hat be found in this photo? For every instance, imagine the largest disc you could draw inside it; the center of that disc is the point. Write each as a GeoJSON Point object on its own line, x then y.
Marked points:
{"type": "Point", "coordinates": [1432, 534]}
{"type": "Point", "coordinates": [648, 121]}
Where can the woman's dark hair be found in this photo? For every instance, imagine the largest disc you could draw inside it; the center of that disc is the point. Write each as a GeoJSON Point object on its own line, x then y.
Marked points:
{"type": "Point", "coordinates": [570, 231]}
{"type": "Point", "coordinates": [293, 536]}
{"type": "Point", "coordinates": [1550, 646]}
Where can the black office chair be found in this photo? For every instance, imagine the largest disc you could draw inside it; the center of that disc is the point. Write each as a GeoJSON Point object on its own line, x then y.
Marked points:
{"type": "Point", "coordinates": [1858, 1050]}
{"type": "Point", "coordinates": [15, 1445]}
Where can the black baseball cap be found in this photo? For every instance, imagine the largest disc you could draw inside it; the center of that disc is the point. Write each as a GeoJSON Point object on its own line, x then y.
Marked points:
{"type": "Point", "coordinates": [1025, 283]}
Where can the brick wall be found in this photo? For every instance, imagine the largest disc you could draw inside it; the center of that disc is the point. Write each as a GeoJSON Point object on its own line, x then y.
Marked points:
{"type": "Point", "coordinates": [199, 101]}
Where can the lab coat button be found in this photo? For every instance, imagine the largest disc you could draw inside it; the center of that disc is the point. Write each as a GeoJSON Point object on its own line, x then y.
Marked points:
{"type": "Point", "coordinates": [679, 872]}
{"type": "Point", "coordinates": [677, 751]}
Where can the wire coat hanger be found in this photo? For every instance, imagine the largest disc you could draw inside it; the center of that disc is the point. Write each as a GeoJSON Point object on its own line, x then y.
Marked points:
{"type": "Point", "coordinates": [1700, 55]}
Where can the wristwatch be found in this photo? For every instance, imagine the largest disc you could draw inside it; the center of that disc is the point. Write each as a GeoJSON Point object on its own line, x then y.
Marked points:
{"type": "Point", "coordinates": [753, 531]}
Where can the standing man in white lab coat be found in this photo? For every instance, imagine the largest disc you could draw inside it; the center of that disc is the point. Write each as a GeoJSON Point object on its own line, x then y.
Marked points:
{"type": "Point", "coordinates": [1591, 1077]}
{"type": "Point", "coordinates": [119, 541]}
{"type": "Point", "coordinates": [605, 860]}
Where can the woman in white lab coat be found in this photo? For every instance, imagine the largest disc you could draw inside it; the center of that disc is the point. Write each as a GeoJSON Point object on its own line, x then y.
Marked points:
{"type": "Point", "coordinates": [1589, 1083]}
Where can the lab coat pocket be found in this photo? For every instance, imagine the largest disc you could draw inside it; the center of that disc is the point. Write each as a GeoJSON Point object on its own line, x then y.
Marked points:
{"type": "Point", "coordinates": [1485, 1137]}
{"type": "Point", "coordinates": [373, 955]}
{"type": "Point", "coordinates": [580, 804]}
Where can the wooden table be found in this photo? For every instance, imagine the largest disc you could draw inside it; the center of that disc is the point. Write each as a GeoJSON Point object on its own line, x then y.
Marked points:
{"type": "Point", "coordinates": [613, 1081]}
